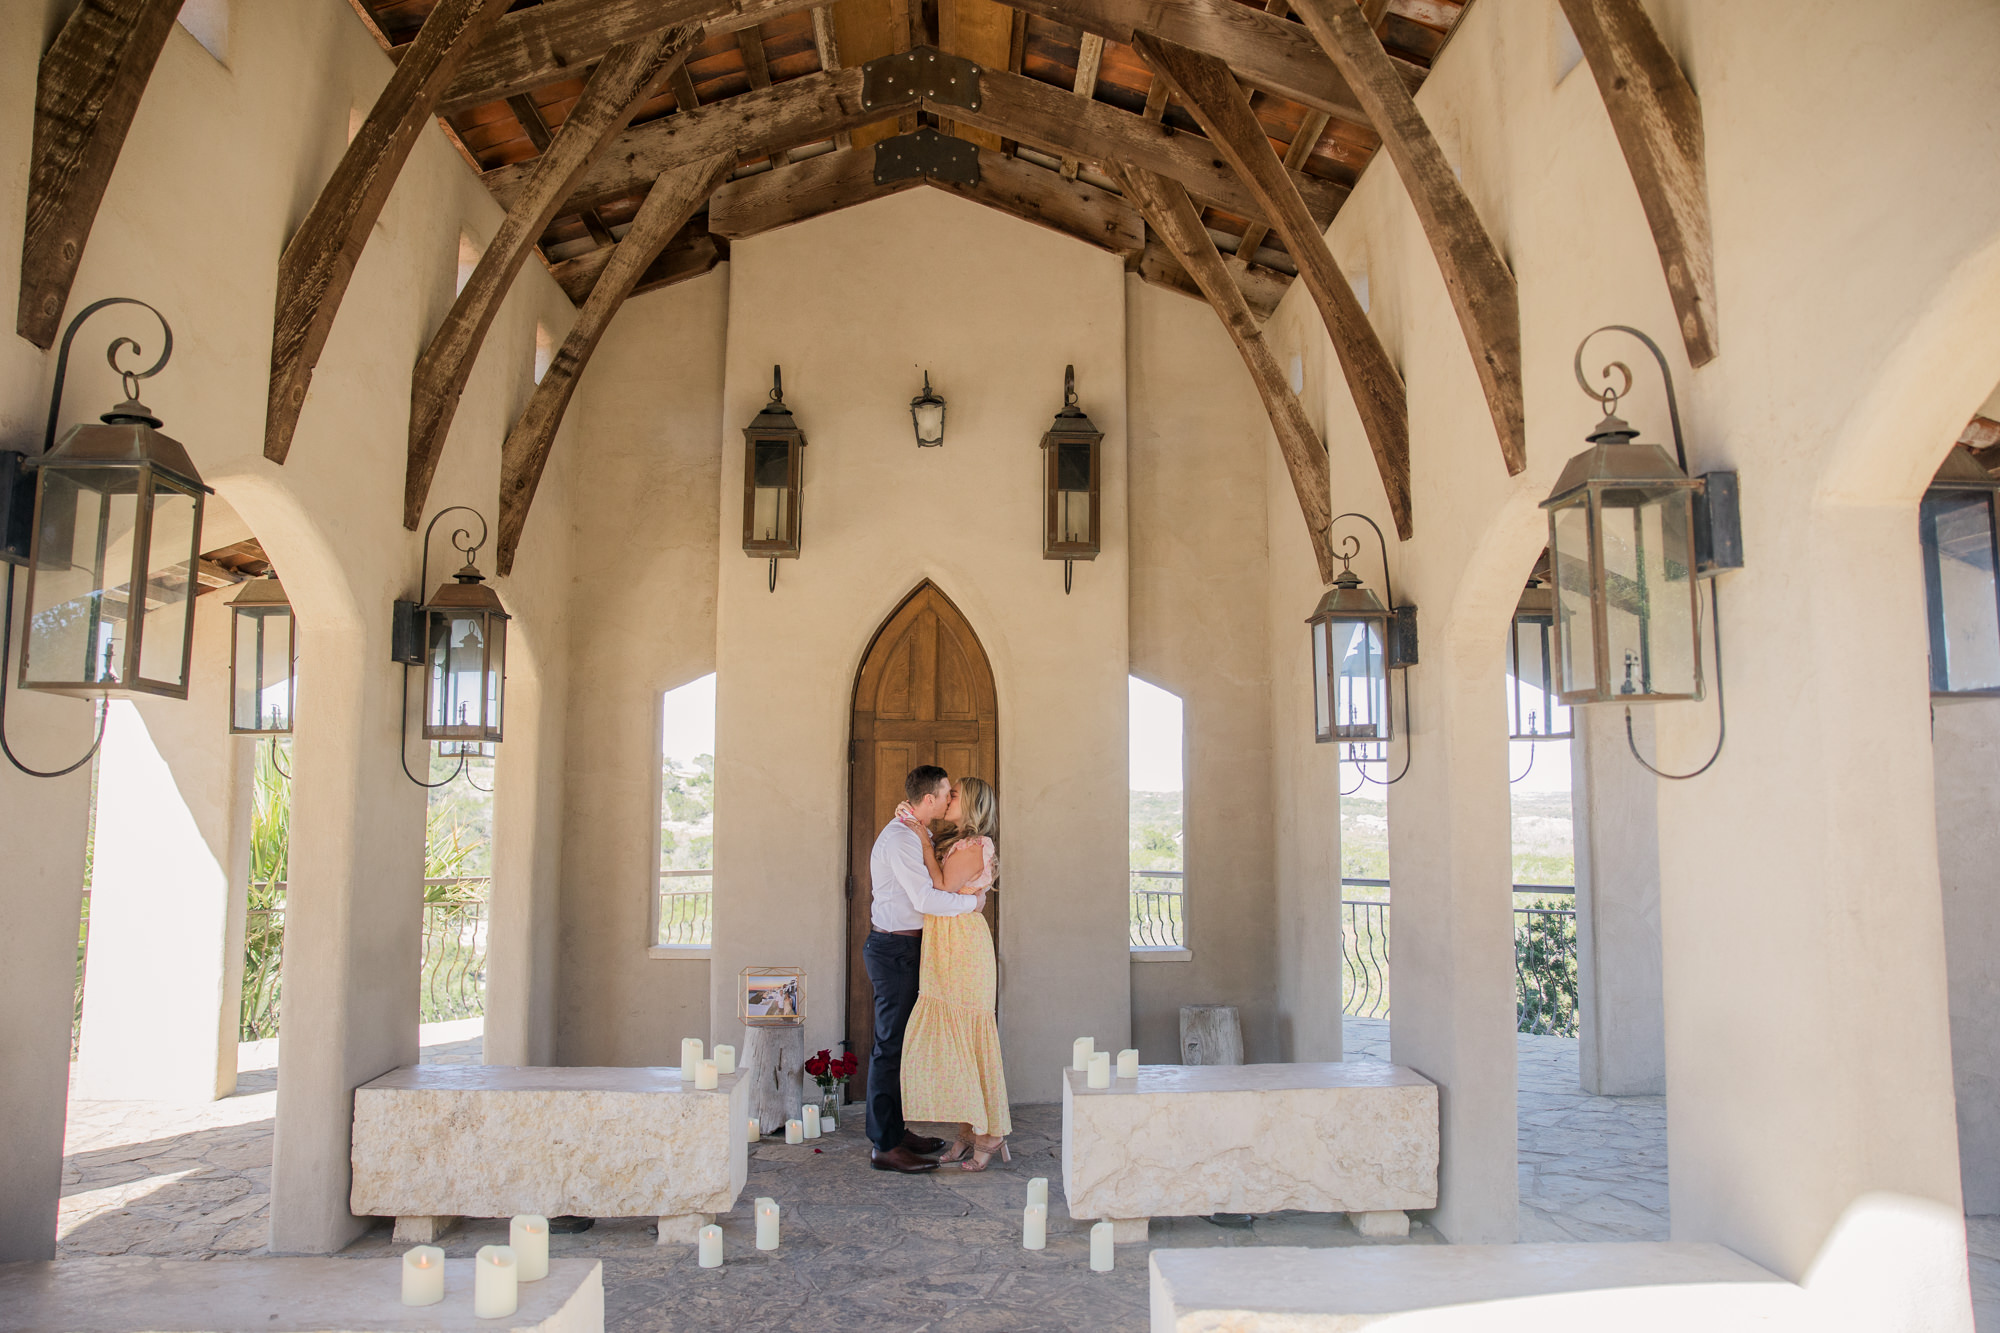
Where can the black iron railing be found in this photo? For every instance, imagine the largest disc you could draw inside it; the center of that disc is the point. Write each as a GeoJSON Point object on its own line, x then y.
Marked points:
{"type": "Point", "coordinates": [1156, 910]}
{"type": "Point", "coordinates": [687, 915]}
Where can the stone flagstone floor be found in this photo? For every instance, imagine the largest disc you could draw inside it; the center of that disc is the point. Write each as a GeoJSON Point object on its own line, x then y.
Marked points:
{"type": "Point", "coordinates": [863, 1249]}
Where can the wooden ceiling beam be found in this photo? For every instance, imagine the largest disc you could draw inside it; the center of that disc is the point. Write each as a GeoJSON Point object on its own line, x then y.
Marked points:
{"type": "Point", "coordinates": [1296, 153]}
{"type": "Point", "coordinates": [626, 79]}
{"type": "Point", "coordinates": [1089, 59]}
{"type": "Point", "coordinates": [827, 42]}
{"type": "Point", "coordinates": [1481, 285]}
{"type": "Point", "coordinates": [1262, 288]}
{"type": "Point", "coordinates": [672, 201]}
{"type": "Point", "coordinates": [558, 40]}
{"type": "Point", "coordinates": [1066, 124]}
{"type": "Point", "coordinates": [1657, 117]}
{"type": "Point", "coordinates": [785, 115]}
{"type": "Point", "coordinates": [1205, 85]}
{"type": "Point", "coordinates": [813, 188]}
{"type": "Point", "coordinates": [1173, 218]}
{"type": "Point", "coordinates": [691, 253]}
{"type": "Point", "coordinates": [1272, 53]}
{"type": "Point", "coordinates": [316, 265]}
{"type": "Point", "coordinates": [86, 94]}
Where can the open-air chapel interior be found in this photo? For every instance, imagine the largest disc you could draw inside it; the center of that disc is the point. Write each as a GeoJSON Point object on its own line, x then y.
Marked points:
{"type": "Point", "coordinates": [502, 500]}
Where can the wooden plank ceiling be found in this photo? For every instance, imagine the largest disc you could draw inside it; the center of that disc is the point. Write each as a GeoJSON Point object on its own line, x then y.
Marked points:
{"type": "Point", "coordinates": [506, 132]}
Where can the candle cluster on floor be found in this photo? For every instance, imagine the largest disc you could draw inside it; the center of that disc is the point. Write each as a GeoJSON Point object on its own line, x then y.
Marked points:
{"type": "Point", "coordinates": [496, 1282]}
{"type": "Point", "coordinates": [497, 1274]}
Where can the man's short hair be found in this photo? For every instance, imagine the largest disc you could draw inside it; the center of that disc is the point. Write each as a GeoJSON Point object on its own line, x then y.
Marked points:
{"type": "Point", "coordinates": [923, 781]}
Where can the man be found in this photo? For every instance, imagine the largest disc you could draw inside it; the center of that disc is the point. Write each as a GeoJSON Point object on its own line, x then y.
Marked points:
{"type": "Point", "coordinates": [903, 896]}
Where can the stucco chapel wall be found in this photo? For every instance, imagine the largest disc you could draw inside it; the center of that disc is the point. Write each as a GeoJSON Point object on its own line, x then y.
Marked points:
{"type": "Point", "coordinates": [221, 163]}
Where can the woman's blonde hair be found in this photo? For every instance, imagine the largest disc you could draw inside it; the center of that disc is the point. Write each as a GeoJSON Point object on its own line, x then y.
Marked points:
{"type": "Point", "coordinates": [979, 810]}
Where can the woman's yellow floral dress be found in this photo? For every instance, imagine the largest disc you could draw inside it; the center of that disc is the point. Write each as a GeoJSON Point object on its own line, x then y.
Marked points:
{"type": "Point", "coordinates": [951, 1050]}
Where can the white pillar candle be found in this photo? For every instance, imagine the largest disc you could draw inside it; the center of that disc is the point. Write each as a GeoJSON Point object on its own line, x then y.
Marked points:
{"type": "Point", "coordinates": [423, 1275]}
{"type": "Point", "coordinates": [496, 1287]}
{"type": "Point", "coordinates": [690, 1057]}
{"type": "Point", "coordinates": [1038, 1190]}
{"type": "Point", "coordinates": [795, 1132]}
{"type": "Point", "coordinates": [756, 1131]}
{"type": "Point", "coordinates": [767, 1224]}
{"type": "Point", "coordinates": [1079, 1058]}
{"type": "Point", "coordinates": [809, 1121]}
{"type": "Point", "coordinates": [704, 1075]}
{"type": "Point", "coordinates": [1100, 1070]}
{"type": "Point", "coordinates": [1100, 1248]}
{"type": "Point", "coordinates": [528, 1238]}
{"type": "Point", "coordinates": [711, 1246]}
{"type": "Point", "coordinates": [725, 1059]}
{"type": "Point", "coordinates": [1128, 1064]}
{"type": "Point", "coordinates": [1035, 1227]}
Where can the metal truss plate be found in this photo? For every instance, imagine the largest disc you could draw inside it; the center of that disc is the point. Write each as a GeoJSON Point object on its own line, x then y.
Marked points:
{"type": "Point", "coordinates": [928, 154]}
{"type": "Point", "coordinates": [921, 71]}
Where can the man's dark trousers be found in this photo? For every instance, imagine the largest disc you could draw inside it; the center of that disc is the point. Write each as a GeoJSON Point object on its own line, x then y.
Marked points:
{"type": "Point", "coordinates": [892, 962]}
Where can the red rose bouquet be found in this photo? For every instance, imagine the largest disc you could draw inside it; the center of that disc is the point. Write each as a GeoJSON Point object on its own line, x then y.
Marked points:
{"type": "Point", "coordinates": [830, 1070]}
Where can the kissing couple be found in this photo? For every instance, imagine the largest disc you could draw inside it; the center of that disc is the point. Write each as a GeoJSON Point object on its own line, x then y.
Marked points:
{"type": "Point", "coordinates": [930, 957]}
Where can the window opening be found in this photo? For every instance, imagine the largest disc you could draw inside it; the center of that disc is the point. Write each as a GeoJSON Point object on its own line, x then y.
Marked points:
{"type": "Point", "coordinates": [468, 260]}
{"type": "Point", "coordinates": [1158, 808]}
{"type": "Point", "coordinates": [686, 886]}
{"type": "Point", "coordinates": [207, 21]}
{"type": "Point", "coordinates": [545, 350]}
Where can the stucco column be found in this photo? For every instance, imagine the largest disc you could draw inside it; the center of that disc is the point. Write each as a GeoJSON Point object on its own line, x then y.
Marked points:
{"type": "Point", "coordinates": [1451, 936]}
{"type": "Point", "coordinates": [522, 928]}
{"type": "Point", "coordinates": [353, 923]}
{"type": "Point", "coordinates": [1811, 1114]}
{"type": "Point", "coordinates": [1622, 1028]}
{"type": "Point", "coordinates": [163, 977]}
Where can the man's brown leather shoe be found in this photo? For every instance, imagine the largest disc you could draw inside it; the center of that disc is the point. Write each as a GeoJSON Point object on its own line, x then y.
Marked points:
{"type": "Point", "coordinates": [917, 1143]}
{"type": "Point", "coordinates": [900, 1159]}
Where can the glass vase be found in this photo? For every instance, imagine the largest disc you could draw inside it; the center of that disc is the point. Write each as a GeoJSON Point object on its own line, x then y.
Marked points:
{"type": "Point", "coordinates": [829, 1103]}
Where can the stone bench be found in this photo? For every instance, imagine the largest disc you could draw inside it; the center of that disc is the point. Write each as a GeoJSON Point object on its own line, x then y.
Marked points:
{"type": "Point", "coordinates": [1631, 1287]}
{"type": "Point", "coordinates": [119, 1294]}
{"type": "Point", "coordinates": [1357, 1137]}
{"type": "Point", "coordinates": [434, 1143]}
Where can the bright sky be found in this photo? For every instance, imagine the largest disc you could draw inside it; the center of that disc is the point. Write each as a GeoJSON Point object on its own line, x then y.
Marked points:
{"type": "Point", "coordinates": [1156, 738]}
{"type": "Point", "coordinates": [1550, 760]}
{"type": "Point", "coordinates": [687, 720]}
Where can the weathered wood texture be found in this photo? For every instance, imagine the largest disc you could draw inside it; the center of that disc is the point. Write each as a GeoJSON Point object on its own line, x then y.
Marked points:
{"type": "Point", "coordinates": [316, 266]}
{"type": "Point", "coordinates": [691, 253]}
{"type": "Point", "coordinates": [1206, 86]}
{"type": "Point", "coordinates": [1262, 288]}
{"type": "Point", "coordinates": [834, 181]}
{"type": "Point", "coordinates": [673, 200]}
{"type": "Point", "coordinates": [624, 80]}
{"type": "Point", "coordinates": [1089, 57]}
{"type": "Point", "coordinates": [1211, 1034]}
{"type": "Point", "coordinates": [1481, 285]}
{"type": "Point", "coordinates": [774, 1064]}
{"type": "Point", "coordinates": [1657, 118]}
{"type": "Point", "coordinates": [978, 30]}
{"type": "Point", "coordinates": [550, 42]}
{"type": "Point", "coordinates": [1065, 124]}
{"type": "Point", "coordinates": [1172, 216]}
{"type": "Point", "coordinates": [827, 43]}
{"type": "Point", "coordinates": [1264, 50]}
{"type": "Point", "coordinates": [1300, 149]}
{"type": "Point", "coordinates": [86, 94]}
{"type": "Point", "coordinates": [785, 115]}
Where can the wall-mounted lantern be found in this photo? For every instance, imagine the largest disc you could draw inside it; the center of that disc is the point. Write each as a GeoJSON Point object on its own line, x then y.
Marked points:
{"type": "Point", "coordinates": [459, 637]}
{"type": "Point", "coordinates": [263, 655]}
{"type": "Point", "coordinates": [927, 415]}
{"type": "Point", "coordinates": [1356, 643]}
{"type": "Point", "coordinates": [774, 466]}
{"type": "Point", "coordinates": [1961, 547]}
{"type": "Point", "coordinates": [108, 522]}
{"type": "Point", "coordinates": [1535, 712]}
{"type": "Point", "coordinates": [1071, 474]}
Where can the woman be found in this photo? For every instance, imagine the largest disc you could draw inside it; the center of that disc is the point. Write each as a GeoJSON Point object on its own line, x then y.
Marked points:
{"type": "Point", "coordinates": [951, 1051]}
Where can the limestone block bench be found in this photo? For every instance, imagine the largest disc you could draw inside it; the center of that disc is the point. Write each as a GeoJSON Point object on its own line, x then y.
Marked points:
{"type": "Point", "coordinates": [434, 1143]}
{"type": "Point", "coordinates": [122, 1293]}
{"type": "Point", "coordinates": [1359, 1137]}
{"type": "Point", "coordinates": [1630, 1287]}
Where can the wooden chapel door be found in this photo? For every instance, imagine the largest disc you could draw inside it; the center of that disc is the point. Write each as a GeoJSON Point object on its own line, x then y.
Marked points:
{"type": "Point", "coordinates": [924, 695]}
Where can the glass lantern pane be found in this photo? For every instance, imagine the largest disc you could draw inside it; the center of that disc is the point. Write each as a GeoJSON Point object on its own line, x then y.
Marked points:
{"type": "Point", "coordinates": [1533, 708]}
{"type": "Point", "coordinates": [496, 676]}
{"type": "Point", "coordinates": [767, 517]}
{"type": "Point", "coordinates": [774, 464]}
{"type": "Point", "coordinates": [1649, 612]}
{"type": "Point", "coordinates": [167, 612]}
{"type": "Point", "coordinates": [1073, 467]}
{"type": "Point", "coordinates": [1360, 683]}
{"type": "Point", "coordinates": [1569, 553]}
{"type": "Point", "coordinates": [262, 695]}
{"type": "Point", "coordinates": [1959, 586]}
{"type": "Point", "coordinates": [1073, 516]}
{"type": "Point", "coordinates": [457, 687]}
{"type": "Point", "coordinates": [76, 625]}
{"type": "Point", "coordinates": [1322, 682]}
{"type": "Point", "coordinates": [930, 422]}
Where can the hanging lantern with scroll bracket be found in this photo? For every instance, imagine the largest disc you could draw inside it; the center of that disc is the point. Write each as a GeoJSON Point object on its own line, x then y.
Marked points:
{"type": "Point", "coordinates": [459, 637]}
{"type": "Point", "coordinates": [1956, 525]}
{"type": "Point", "coordinates": [1356, 643]}
{"type": "Point", "coordinates": [927, 416]}
{"type": "Point", "coordinates": [1072, 473]}
{"type": "Point", "coordinates": [1535, 711]}
{"type": "Point", "coordinates": [774, 464]}
{"type": "Point", "coordinates": [263, 657]}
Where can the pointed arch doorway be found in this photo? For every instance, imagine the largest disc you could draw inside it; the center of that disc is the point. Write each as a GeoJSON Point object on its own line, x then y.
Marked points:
{"type": "Point", "coordinates": [924, 695]}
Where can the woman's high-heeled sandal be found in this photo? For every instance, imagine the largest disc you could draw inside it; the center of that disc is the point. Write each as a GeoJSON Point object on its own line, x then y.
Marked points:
{"type": "Point", "coordinates": [982, 1157]}
{"type": "Point", "coordinates": [957, 1151]}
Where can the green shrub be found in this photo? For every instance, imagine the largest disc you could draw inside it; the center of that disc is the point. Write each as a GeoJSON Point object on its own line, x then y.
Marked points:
{"type": "Point", "coordinates": [1545, 973]}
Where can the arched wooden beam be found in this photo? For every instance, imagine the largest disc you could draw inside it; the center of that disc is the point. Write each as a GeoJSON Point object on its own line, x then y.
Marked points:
{"type": "Point", "coordinates": [1208, 89]}
{"type": "Point", "coordinates": [1481, 285]}
{"type": "Point", "coordinates": [86, 94]}
{"type": "Point", "coordinates": [313, 274]}
{"type": "Point", "coordinates": [623, 81]}
{"type": "Point", "coordinates": [672, 201]}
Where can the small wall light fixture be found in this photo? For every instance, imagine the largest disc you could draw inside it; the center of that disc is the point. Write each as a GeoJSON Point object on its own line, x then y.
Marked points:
{"type": "Point", "coordinates": [1071, 472]}
{"type": "Point", "coordinates": [108, 522]}
{"type": "Point", "coordinates": [1961, 546]}
{"type": "Point", "coordinates": [459, 637]}
{"type": "Point", "coordinates": [927, 415]}
{"type": "Point", "coordinates": [774, 467]}
{"type": "Point", "coordinates": [1356, 643]}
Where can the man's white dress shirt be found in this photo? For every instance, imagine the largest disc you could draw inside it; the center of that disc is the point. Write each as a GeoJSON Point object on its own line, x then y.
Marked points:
{"type": "Point", "coordinates": [903, 892]}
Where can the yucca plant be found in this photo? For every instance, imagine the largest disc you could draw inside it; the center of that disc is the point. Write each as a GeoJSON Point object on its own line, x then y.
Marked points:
{"type": "Point", "coordinates": [264, 924]}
